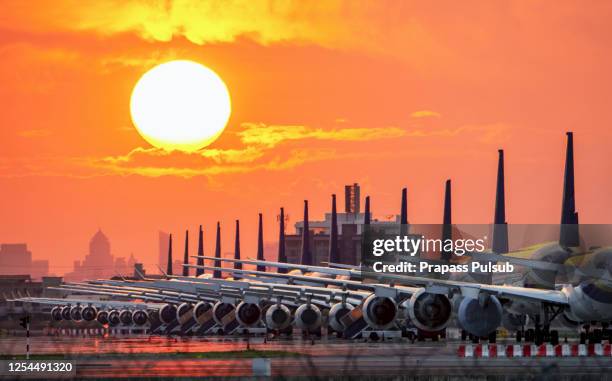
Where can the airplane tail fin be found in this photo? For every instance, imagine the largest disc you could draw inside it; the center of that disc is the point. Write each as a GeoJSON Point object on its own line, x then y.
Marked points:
{"type": "Point", "coordinates": [334, 255]}
{"type": "Point", "coordinates": [500, 226]}
{"type": "Point", "coordinates": [569, 235]}
{"type": "Point", "coordinates": [447, 227]}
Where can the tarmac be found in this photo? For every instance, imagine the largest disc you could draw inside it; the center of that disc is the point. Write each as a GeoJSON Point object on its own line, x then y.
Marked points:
{"type": "Point", "coordinates": [158, 356]}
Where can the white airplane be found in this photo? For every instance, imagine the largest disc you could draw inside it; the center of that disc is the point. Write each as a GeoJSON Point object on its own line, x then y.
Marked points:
{"type": "Point", "coordinates": [108, 312]}
{"type": "Point", "coordinates": [479, 307]}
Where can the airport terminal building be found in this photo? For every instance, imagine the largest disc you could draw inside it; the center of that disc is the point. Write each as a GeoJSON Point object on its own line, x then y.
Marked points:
{"type": "Point", "coordinates": [350, 226]}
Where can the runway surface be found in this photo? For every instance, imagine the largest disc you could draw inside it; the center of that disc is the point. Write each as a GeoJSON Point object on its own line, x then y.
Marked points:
{"type": "Point", "coordinates": [356, 366]}
{"type": "Point", "coordinates": [169, 357]}
{"type": "Point", "coordinates": [168, 345]}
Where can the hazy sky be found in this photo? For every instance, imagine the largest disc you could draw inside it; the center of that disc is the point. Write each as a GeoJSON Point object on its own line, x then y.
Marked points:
{"type": "Point", "coordinates": [387, 94]}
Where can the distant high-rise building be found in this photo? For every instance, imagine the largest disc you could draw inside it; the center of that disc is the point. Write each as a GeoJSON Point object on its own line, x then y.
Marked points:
{"type": "Point", "coordinates": [16, 259]}
{"type": "Point", "coordinates": [352, 198]}
{"type": "Point", "coordinates": [99, 246]}
{"type": "Point", "coordinates": [99, 262]}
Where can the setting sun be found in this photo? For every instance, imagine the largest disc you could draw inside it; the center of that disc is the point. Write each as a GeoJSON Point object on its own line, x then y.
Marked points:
{"type": "Point", "coordinates": [180, 105]}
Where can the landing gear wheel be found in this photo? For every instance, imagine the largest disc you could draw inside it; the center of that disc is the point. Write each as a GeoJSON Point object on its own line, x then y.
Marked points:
{"type": "Point", "coordinates": [607, 334]}
{"type": "Point", "coordinates": [519, 336]}
{"type": "Point", "coordinates": [554, 337]}
{"type": "Point", "coordinates": [597, 335]}
{"type": "Point", "coordinates": [529, 335]}
{"type": "Point", "coordinates": [539, 338]}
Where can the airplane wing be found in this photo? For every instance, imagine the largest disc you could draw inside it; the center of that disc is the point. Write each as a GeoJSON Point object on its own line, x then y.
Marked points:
{"type": "Point", "coordinates": [343, 266]}
{"type": "Point", "coordinates": [313, 280]}
{"type": "Point", "coordinates": [132, 294]}
{"type": "Point", "coordinates": [205, 285]}
{"type": "Point", "coordinates": [102, 304]}
{"type": "Point", "coordinates": [442, 286]}
{"type": "Point", "coordinates": [328, 270]}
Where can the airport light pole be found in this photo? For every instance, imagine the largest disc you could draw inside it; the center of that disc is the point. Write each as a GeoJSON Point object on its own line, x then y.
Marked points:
{"type": "Point", "coordinates": [25, 323]}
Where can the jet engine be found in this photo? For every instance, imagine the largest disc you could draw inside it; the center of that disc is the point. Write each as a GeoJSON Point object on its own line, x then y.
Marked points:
{"type": "Point", "coordinates": [248, 314]}
{"type": "Point", "coordinates": [590, 301]}
{"type": "Point", "coordinates": [278, 317]}
{"type": "Point", "coordinates": [566, 322]}
{"type": "Point", "coordinates": [596, 263]}
{"type": "Point", "coordinates": [113, 318]}
{"type": "Point", "coordinates": [184, 313]}
{"type": "Point", "coordinates": [56, 313]}
{"type": "Point", "coordinates": [126, 317]}
{"type": "Point", "coordinates": [89, 313]}
{"type": "Point", "coordinates": [102, 317]}
{"type": "Point", "coordinates": [540, 278]}
{"type": "Point", "coordinates": [336, 313]}
{"type": "Point", "coordinates": [167, 314]}
{"type": "Point", "coordinates": [308, 317]}
{"type": "Point", "coordinates": [221, 310]}
{"type": "Point", "coordinates": [202, 312]}
{"type": "Point", "coordinates": [379, 312]}
{"type": "Point", "coordinates": [429, 312]}
{"type": "Point", "coordinates": [75, 313]}
{"type": "Point", "coordinates": [480, 316]}
{"type": "Point", "coordinates": [66, 313]}
{"type": "Point", "coordinates": [140, 317]}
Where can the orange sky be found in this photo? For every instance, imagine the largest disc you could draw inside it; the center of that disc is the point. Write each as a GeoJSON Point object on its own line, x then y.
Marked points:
{"type": "Point", "coordinates": [387, 94]}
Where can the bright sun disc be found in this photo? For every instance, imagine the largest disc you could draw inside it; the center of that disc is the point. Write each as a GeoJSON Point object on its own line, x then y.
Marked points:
{"type": "Point", "coordinates": [180, 105]}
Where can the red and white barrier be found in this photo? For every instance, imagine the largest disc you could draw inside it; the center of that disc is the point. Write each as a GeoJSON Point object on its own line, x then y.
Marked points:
{"type": "Point", "coordinates": [530, 350]}
{"type": "Point", "coordinates": [77, 331]}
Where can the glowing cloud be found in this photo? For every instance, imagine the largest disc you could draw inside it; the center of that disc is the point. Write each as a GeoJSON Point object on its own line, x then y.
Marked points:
{"type": "Point", "coordinates": [271, 135]}
{"type": "Point", "coordinates": [425, 114]}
